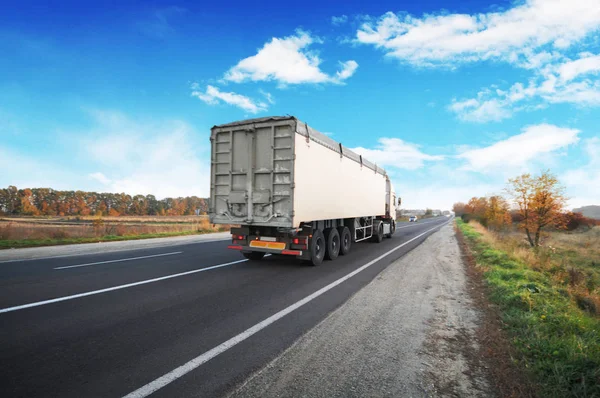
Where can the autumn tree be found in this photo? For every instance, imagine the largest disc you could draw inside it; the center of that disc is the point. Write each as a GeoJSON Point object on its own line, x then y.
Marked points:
{"type": "Point", "coordinates": [459, 208]}
{"type": "Point", "coordinates": [27, 206]}
{"type": "Point", "coordinates": [101, 210]}
{"type": "Point", "coordinates": [10, 202]}
{"type": "Point", "coordinates": [540, 201]}
{"type": "Point", "coordinates": [497, 213]}
{"type": "Point", "coordinates": [475, 210]}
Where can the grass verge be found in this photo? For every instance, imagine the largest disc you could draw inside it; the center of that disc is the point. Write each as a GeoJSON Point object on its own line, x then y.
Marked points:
{"type": "Point", "coordinates": [557, 342]}
{"type": "Point", "coordinates": [20, 243]}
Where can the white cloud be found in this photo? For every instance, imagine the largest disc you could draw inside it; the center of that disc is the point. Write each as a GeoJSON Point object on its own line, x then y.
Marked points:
{"type": "Point", "coordinates": [162, 158]}
{"type": "Point", "coordinates": [100, 177]}
{"type": "Point", "coordinates": [564, 82]}
{"type": "Point", "coordinates": [534, 142]}
{"type": "Point", "coordinates": [520, 32]}
{"type": "Point", "coordinates": [166, 158]}
{"type": "Point", "coordinates": [337, 21]}
{"type": "Point", "coordinates": [394, 152]}
{"type": "Point", "coordinates": [583, 184]}
{"type": "Point", "coordinates": [473, 110]}
{"type": "Point", "coordinates": [585, 65]}
{"type": "Point", "coordinates": [538, 35]}
{"type": "Point", "coordinates": [287, 61]}
{"type": "Point", "coordinates": [439, 194]}
{"type": "Point", "coordinates": [213, 96]}
{"type": "Point", "coordinates": [27, 171]}
{"type": "Point", "coordinates": [268, 97]}
{"type": "Point", "coordinates": [347, 69]}
{"type": "Point", "coordinates": [586, 93]}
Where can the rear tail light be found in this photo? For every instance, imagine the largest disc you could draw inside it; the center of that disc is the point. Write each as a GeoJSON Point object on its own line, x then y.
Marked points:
{"type": "Point", "coordinates": [300, 242]}
{"type": "Point", "coordinates": [238, 238]}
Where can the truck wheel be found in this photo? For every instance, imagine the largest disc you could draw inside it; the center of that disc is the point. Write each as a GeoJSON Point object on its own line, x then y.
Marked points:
{"type": "Point", "coordinates": [254, 256]}
{"type": "Point", "coordinates": [332, 237]}
{"type": "Point", "coordinates": [392, 229]}
{"type": "Point", "coordinates": [345, 240]}
{"type": "Point", "coordinates": [317, 248]}
{"type": "Point", "coordinates": [378, 235]}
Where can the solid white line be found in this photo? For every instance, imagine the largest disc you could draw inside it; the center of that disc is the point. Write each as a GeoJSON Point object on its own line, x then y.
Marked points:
{"type": "Point", "coordinates": [194, 363]}
{"type": "Point", "coordinates": [116, 261]}
{"type": "Point", "coordinates": [110, 289]}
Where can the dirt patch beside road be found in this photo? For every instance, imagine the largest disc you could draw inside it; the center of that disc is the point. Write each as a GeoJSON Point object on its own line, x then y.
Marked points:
{"type": "Point", "coordinates": [409, 333]}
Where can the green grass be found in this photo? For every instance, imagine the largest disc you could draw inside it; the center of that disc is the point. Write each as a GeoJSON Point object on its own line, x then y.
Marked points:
{"type": "Point", "coordinates": [20, 243]}
{"type": "Point", "coordinates": [558, 343]}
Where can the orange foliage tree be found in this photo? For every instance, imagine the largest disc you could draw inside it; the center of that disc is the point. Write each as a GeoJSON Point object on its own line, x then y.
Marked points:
{"type": "Point", "coordinates": [459, 208]}
{"type": "Point", "coordinates": [47, 201]}
{"type": "Point", "coordinates": [27, 206]}
{"type": "Point", "coordinates": [540, 202]}
{"type": "Point", "coordinates": [492, 212]}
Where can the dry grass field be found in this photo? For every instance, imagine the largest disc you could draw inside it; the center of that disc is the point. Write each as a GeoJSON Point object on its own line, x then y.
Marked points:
{"type": "Point", "coordinates": [571, 259]}
{"type": "Point", "coordinates": [548, 300]}
{"type": "Point", "coordinates": [36, 231]}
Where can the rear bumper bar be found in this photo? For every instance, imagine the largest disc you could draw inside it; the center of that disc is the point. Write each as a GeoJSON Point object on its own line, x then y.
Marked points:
{"type": "Point", "coordinates": [272, 251]}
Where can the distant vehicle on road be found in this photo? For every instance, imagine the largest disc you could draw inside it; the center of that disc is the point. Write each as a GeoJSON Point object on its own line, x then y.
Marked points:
{"type": "Point", "coordinates": [295, 191]}
{"type": "Point", "coordinates": [412, 219]}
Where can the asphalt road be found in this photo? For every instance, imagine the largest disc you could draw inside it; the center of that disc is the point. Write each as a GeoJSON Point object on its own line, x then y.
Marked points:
{"type": "Point", "coordinates": [109, 324]}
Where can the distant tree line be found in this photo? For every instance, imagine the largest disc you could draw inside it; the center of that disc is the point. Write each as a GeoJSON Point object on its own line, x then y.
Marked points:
{"type": "Point", "coordinates": [50, 202]}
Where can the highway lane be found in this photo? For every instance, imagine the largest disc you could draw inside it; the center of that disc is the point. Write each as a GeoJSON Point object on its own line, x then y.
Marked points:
{"type": "Point", "coordinates": [112, 343]}
{"type": "Point", "coordinates": [36, 280]}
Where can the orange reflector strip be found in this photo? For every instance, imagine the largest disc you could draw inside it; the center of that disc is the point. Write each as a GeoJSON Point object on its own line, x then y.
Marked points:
{"type": "Point", "coordinates": [267, 245]}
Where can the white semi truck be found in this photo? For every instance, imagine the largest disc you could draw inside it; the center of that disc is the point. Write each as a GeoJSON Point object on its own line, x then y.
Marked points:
{"type": "Point", "coordinates": [294, 191]}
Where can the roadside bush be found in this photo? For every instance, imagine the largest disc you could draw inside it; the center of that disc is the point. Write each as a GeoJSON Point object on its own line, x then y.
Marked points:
{"type": "Point", "coordinates": [467, 217]}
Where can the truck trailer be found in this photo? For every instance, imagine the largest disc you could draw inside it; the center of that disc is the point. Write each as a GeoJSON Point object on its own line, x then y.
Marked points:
{"type": "Point", "coordinates": [295, 191]}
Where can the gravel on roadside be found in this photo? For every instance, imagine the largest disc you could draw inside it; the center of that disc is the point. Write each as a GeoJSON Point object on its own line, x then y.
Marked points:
{"type": "Point", "coordinates": [409, 333]}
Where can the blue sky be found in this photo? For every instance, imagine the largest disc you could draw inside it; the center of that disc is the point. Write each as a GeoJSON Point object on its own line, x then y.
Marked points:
{"type": "Point", "coordinates": [452, 98]}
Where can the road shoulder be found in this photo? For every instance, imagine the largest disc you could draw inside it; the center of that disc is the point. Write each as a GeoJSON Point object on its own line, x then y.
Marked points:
{"type": "Point", "coordinates": [410, 332]}
{"type": "Point", "coordinates": [34, 253]}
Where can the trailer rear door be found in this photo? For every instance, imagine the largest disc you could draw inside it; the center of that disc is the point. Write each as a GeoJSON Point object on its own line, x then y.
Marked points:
{"type": "Point", "coordinates": [252, 173]}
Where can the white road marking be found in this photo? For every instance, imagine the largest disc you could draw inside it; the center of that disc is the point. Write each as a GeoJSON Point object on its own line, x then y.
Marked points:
{"type": "Point", "coordinates": [20, 260]}
{"type": "Point", "coordinates": [110, 289]}
{"type": "Point", "coordinates": [146, 248]}
{"type": "Point", "coordinates": [207, 356]}
{"type": "Point", "coordinates": [416, 223]}
{"type": "Point", "coordinates": [119, 260]}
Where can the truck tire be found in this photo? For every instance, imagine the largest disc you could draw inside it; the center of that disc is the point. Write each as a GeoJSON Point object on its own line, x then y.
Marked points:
{"type": "Point", "coordinates": [392, 229]}
{"type": "Point", "coordinates": [332, 237]}
{"type": "Point", "coordinates": [345, 240]}
{"type": "Point", "coordinates": [317, 248]}
{"type": "Point", "coordinates": [378, 234]}
{"type": "Point", "coordinates": [253, 256]}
